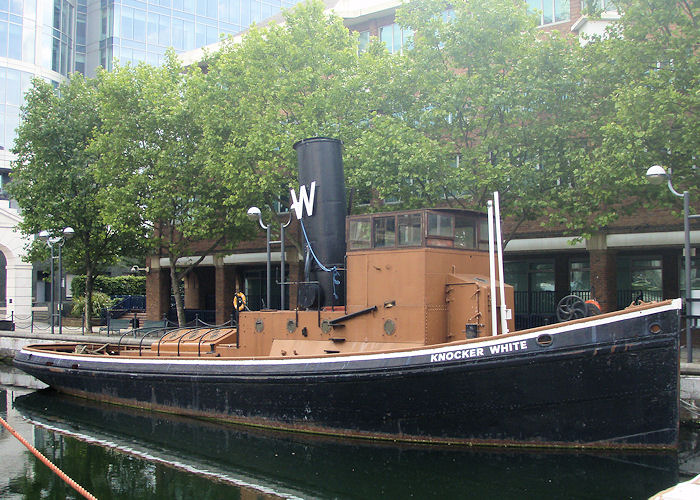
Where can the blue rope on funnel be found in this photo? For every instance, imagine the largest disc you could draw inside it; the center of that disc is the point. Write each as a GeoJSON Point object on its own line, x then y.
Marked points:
{"type": "Point", "coordinates": [335, 274]}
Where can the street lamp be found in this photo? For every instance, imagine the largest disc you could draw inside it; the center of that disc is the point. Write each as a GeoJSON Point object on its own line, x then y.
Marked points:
{"type": "Point", "coordinates": [51, 241]}
{"type": "Point", "coordinates": [253, 214]}
{"type": "Point", "coordinates": [657, 174]}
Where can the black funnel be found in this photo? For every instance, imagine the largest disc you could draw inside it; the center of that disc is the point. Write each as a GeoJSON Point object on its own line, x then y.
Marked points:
{"type": "Point", "coordinates": [320, 160]}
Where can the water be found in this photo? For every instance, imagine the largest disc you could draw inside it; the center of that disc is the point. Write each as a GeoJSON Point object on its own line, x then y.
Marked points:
{"type": "Point", "coordinates": [117, 452]}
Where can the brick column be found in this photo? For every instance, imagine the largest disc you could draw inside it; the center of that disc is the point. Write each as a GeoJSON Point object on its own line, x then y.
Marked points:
{"type": "Point", "coordinates": [192, 290]}
{"type": "Point", "coordinates": [157, 290]}
{"type": "Point", "coordinates": [603, 272]}
{"type": "Point", "coordinates": [224, 286]}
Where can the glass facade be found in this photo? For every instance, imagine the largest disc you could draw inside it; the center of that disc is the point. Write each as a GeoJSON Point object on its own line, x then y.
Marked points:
{"type": "Point", "coordinates": [53, 38]}
{"type": "Point", "coordinates": [141, 30]}
{"type": "Point", "coordinates": [13, 84]}
{"type": "Point", "coordinates": [29, 47]}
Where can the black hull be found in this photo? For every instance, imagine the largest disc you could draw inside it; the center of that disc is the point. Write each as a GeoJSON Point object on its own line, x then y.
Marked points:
{"type": "Point", "coordinates": [606, 383]}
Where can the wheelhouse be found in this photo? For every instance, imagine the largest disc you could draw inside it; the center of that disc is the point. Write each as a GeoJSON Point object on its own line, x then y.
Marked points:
{"type": "Point", "coordinates": [442, 228]}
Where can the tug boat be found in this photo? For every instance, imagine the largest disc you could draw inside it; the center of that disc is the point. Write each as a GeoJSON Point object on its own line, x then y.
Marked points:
{"type": "Point", "coordinates": [401, 333]}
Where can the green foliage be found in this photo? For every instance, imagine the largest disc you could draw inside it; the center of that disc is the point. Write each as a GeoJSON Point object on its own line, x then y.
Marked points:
{"type": "Point", "coordinates": [281, 84]}
{"type": "Point", "coordinates": [54, 179]}
{"type": "Point", "coordinates": [100, 301]}
{"type": "Point", "coordinates": [484, 101]}
{"type": "Point", "coordinates": [111, 285]}
{"type": "Point", "coordinates": [497, 106]}
{"type": "Point", "coordinates": [657, 107]}
{"type": "Point", "coordinates": [158, 187]}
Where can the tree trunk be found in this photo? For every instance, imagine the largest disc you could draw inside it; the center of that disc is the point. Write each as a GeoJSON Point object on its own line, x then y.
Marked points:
{"type": "Point", "coordinates": [87, 313]}
{"type": "Point", "coordinates": [175, 285]}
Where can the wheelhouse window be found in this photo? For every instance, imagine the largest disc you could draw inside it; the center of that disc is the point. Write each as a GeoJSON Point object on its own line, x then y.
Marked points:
{"type": "Point", "coordinates": [484, 235]}
{"type": "Point", "coordinates": [385, 232]}
{"type": "Point", "coordinates": [418, 228]}
{"type": "Point", "coordinates": [409, 230]}
{"type": "Point", "coordinates": [465, 233]}
{"type": "Point", "coordinates": [440, 225]}
{"type": "Point", "coordinates": [360, 232]}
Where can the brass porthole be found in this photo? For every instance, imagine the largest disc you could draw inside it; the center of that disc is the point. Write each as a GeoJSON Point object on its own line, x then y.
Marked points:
{"type": "Point", "coordinates": [544, 340]}
{"type": "Point", "coordinates": [389, 327]}
{"type": "Point", "coordinates": [291, 326]}
{"type": "Point", "coordinates": [655, 328]}
{"type": "Point", "coordinates": [259, 325]}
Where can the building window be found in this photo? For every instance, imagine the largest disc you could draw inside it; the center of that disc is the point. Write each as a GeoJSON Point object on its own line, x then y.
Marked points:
{"type": "Point", "coordinates": [15, 84]}
{"type": "Point", "coordinates": [533, 284]}
{"type": "Point", "coordinates": [363, 41]}
{"type": "Point", "coordinates": [579, 276]}
{"type": "Point", "coordinates": [533, 276]}
{"type": "Point", "coordinates": [550, 11]}
{"type": "Point", "coordinates": [600, 5]}
{"type": "Point", "coordinates": [395, 38]}
{"type": "Point", "coordinates": [639, 277]}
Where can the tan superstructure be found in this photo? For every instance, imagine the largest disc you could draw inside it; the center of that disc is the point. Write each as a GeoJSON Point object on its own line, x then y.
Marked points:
{"type": "Point", "coordinates": [413, 280]}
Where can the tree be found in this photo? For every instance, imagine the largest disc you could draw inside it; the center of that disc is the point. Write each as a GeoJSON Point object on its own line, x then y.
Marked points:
{"type": "Point", "coordinates": [159, 185]}
{"type": "Point", "coordinates": [482, 100]}
{"type": "Point", "coordinates": [498, 104]}
{"type": "Point", "coordinates": [53, 181]}
{"type": "Point", "coordinates": [657, 105]}
{"type": "Point", "coordinates": [280, 84]}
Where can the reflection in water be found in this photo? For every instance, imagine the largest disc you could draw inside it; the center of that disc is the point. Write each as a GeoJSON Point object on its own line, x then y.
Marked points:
{"type": "Point", "coordinates": [291, 465]}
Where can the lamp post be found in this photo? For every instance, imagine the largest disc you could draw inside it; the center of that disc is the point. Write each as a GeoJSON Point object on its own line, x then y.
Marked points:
{"type": "Point", "coordinates": [656, 174]}
{"type": "Point", "coordinates": [253, 214]}
{"type": "Point", "coordinates": [51, 241]}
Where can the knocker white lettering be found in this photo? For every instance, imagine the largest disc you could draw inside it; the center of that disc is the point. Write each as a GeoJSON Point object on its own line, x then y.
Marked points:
{"type": "Point", "coordinates": [476, 352]}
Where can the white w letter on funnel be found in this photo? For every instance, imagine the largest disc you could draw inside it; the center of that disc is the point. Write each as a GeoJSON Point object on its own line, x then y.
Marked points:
{"type": "Point", "coordinates": [305, 200]}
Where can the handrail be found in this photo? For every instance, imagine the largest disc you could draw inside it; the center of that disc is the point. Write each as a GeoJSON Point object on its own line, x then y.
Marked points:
{"type": "Point", "coordinates": [201, 337]}
{"type": "Point", "coordinates": [163, 336]}
{"type": "Point", "coordinates": [183, 336]}
{"type": "Point", "coordinates": [165, 329]}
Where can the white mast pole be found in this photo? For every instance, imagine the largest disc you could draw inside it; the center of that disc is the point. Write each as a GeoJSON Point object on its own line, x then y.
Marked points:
{"type": "Point", "coordinates": [492, 271]}
{"type": "Point", "coordinates": [501, 279]}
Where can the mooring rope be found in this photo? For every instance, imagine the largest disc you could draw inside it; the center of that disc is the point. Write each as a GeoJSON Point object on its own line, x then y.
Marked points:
{"type": "Point", "coordinates": [47, 462]}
